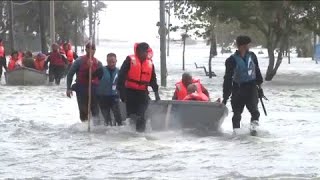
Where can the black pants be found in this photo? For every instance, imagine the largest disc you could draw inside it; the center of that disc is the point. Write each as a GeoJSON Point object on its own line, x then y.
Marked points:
{"type": "Point", "coordinates": [82, 99]}
{"type": "Point", "coordinates": [106, 104]}
{"type": "Point", "coordinates": [56, 73]}
{"type": "Point", "coordinates": [3, 64]}
{"type": "Point", "coordinates": [136, 106]}
{"type": "Point", "coordinates": [246, 95]}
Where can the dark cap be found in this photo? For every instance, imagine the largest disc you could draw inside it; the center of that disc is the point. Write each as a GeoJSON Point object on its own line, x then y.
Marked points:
{"type": "Point", "coordinates": [243, 40]}
{"type": "Point", "coordinates": [143, 47]}
{"type": "Point", "coordinates": [90, 46]}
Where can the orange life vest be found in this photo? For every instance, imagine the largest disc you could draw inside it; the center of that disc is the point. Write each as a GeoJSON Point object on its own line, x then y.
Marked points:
{"type": "Point", "coordinates": [1, 51]}
{"type": "Point", "coordinates": [70, 56]}
{"type": "Point", "coordinates": [139, 75]}
{"type": "Point", "coordinates": [196, 97]}
{"type": "Point", "coordinates": [182, 89]}
{"type": "Point", "coordinates": [13, 64]}
{"type": "Point", "coordinates": [39, 64]}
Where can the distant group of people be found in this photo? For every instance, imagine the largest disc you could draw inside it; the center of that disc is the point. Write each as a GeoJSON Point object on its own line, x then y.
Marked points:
{"type": "Point", "coordinates": [59, 59]}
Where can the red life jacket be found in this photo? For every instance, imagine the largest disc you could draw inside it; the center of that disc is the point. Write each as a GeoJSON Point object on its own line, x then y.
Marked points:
{"type": "Point", "coordinates": [56, 59]}
{"type": "Point", "coordinates": [139, 75]}
{"type": "Point", "coordinates": [14, 64]}
{"type": "Point", "coordinates": [1, 51]}
{"type": "Point", "coordinates": [70, 56]}
{"type": "Point", "coordinates": [196, 97]}
{"type": "Point", "coordinates": [83, 74]}
{"type": "Point", "coordinates": [182, 89]}
{"type": "Point", "coordinates": [39, 64]}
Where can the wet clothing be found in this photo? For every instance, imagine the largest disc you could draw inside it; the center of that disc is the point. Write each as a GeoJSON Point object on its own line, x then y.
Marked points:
{"type": "Point", "coordinates": [108, 97]}
{"type": "Point", "coordinates": [181, 90]}
{"type": "Point", "coordinates": [82, 100]}
{"type": "Point", "coordinates": [80, 67]}
{"type": "Point", "coordinates": [241, 80]}
{"type": "Point", "coordinates": [13, 64]}
{"type": "Point", "coordinates": [136, 100]}
{"type": "Point", "coordinates": [57, 67]}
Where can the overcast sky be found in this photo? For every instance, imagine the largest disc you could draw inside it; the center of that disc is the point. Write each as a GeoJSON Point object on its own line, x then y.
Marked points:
{"type": "Point", "coordinates": [131, 20]}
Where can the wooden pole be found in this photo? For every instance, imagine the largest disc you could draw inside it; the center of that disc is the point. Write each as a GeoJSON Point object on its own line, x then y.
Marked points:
{"type": "Point", "coordinates": [89, 87]}
{"type": "Point", "coordinates": [52, 23]}
{"type": "Point", "coordinates": [163, 44]}
{"type": "Point", "coordinates": [11, 25]}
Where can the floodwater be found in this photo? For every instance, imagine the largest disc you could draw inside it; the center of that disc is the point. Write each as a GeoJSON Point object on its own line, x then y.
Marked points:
{"type": "Point", "coordinates": [41, 135]}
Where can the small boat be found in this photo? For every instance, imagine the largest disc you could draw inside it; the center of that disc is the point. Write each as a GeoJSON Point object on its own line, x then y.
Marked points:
{"type": "Point", "coordinates": [169, 114]}
{"type": "Point", "coordinates": [24, 76]}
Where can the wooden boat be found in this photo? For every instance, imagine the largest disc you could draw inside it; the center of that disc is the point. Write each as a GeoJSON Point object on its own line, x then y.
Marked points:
{"type": "Point", "coordinates": [168, 114]}
{"type": "Point", "coordinates": [25, 77]}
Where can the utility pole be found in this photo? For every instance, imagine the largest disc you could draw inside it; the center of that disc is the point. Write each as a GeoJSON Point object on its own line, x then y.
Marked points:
{"type": "Point", "coordinates": [163, 44]}
{"type": "Point", "coordinates": [90, 20]}
{"type": "Point", "coordinates": [168, 40]}
{"type": "Point", "coordinates": [52, 23]}
{"type": "Point", "coordinates": [11, 25]}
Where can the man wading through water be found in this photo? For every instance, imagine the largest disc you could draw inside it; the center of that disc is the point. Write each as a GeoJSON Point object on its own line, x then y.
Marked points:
{"type": "Point", "coordinates": [136, 74]}
{"type": "Point", "coordinates": [243, 79]}
{"type": "Point", "coordinates": [107, 94]}
{"type": "Point", "coordinates": [80, 67]}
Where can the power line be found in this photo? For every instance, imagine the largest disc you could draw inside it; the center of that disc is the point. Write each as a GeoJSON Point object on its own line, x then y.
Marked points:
{"type": "Point", "coordinates": [23, 3]}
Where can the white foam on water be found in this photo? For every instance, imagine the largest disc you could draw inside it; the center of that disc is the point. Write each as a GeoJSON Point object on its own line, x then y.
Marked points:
{"type": "Point", "coordinates": [41, 135]}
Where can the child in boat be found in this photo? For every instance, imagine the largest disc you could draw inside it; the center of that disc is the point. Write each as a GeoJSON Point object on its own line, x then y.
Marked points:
{"type": "Point", "coordinates": [193, 95]}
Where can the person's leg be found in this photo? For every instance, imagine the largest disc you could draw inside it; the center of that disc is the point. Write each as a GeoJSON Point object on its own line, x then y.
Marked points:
{"type": "Point", "coordinates": [83, 106]}
{"type": "Point", "coordinates": [94, 107]}
{"type": "Point", "coordinates": [252, 104]}
{"type": "Point", "coordinates": [237, 105]}
{"type": "Point", "coordinates": [116, 112]}
{"type": "Point", "coordinates": [51, 74]}
{"type": "Point", "coordinates": [143, 103]}
{"type": "Point", "coordinates": [105, 109]}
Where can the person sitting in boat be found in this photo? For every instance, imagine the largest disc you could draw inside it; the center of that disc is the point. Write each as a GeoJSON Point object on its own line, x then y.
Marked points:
{"type": "Point", "coordinates": [181, 87]}
{"type": "Point", "coordinates": [39, 62]}
{"type": "Point", "coordinates": [194, 95]}
{"type": "Point", "coordinates": [28, 60]}
{"type": "Point", "coordinates": [14, 61]}
{"type": "Point", "coordinates": [58, 64]}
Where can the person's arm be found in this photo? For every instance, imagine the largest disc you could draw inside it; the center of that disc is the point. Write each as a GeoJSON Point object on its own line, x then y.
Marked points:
{"type": "Point", "coordinates": [259, 78]}
{"type": "Point", "coordinates": [227, 83]}
{"type": "Point", "coordinates": [98, 73]}
{"type": "Point", "coordinates": [65, 60]}
{"type": "Point", "coordinates": [75, 56]}
{"type": "Point", "coordinates": [153, 81]}
{"type": "Point", "coordinates": [122, 75]}
{"type": "Point", "coordinates": [175, 96]}
{"type": "Point", "coordinates": [74, 68]}
{"type": "Point", "coordinates": [47, 61]}
{"type": "Point", "coordinates": [205, 91]}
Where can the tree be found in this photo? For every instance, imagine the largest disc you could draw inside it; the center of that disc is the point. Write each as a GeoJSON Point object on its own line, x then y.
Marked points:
{"type": "Point", "coordinates": [200, 21]}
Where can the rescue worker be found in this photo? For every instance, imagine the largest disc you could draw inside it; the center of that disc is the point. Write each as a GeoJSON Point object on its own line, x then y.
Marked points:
{"type": "Point", "coordinates": [3, 60]}
{"type": "Point", "coordinates": [136, 74]}
{"type": "Point", "coordinates": [39, 62]}
{"type": "Point", "coordinates": [181, 87]}
{"type": "Point", "coordinates": [71, 56]}
{"type": "Point", "coordinates": [28, 60]}
{"type": "Point", "coordinates": [81, 68]}
{"type": "Point", "coordinates": [193, 95]}
{"type": "Point", "coordinates": [107, 94]}
{"type": "Point", "coordinates": [242, 76]}
{"type": "Point", "coordinates": [58, 64]}
{"type": "Point", "coordinates": [14, 61]}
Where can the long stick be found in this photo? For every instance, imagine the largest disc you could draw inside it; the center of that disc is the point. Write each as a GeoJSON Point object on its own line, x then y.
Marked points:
{"type": "Point", "coordinates": [264, 108]}
{"type": "Point", "coordinates": [89, 88]}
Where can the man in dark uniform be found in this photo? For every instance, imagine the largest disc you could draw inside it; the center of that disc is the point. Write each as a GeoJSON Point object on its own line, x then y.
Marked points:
{"type": "Point", "coordinates": [135, 75]}
{"type": "Point", "coordinates": [242, 79]}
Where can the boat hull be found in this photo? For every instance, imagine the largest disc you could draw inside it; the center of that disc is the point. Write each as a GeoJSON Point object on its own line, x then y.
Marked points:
{"type": "Point", "coordinates": [25, 77]}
